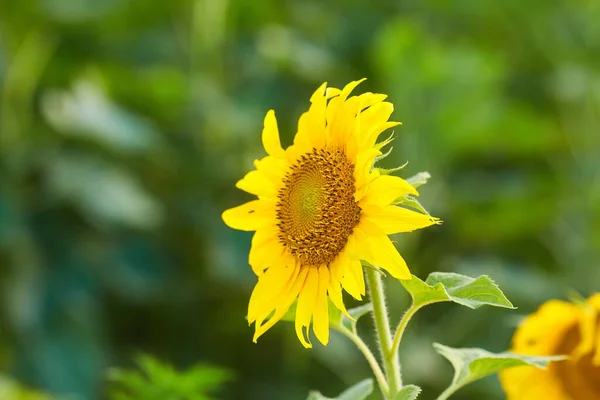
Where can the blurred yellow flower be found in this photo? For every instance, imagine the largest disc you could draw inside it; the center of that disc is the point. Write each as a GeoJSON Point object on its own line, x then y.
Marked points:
{"type": "Point", "coordinates": [321, 209]}
{"type": "Point", "coordinates": [558, 328]}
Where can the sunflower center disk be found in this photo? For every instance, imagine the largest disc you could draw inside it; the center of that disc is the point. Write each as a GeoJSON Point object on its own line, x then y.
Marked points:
{"type": "Point", "coordinates": [316, 211]}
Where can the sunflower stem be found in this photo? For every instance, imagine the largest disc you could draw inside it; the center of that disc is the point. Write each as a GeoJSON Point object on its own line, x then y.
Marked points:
{"type": "Point", "coordinates": [447, 393]}
{"type": "Point", "coordinates": [382, 327]}
{"type": "Point", "coordinates": [364, 349]}
{"type": "Point", "coordinates": [401, 328]}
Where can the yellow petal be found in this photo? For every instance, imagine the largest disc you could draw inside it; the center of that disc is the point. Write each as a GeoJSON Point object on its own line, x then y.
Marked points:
{"type": "Point", "coordinates": [554, 316]}
{"type": "Point", "coordinates": [335, 294]}
{"type": "Point", "coordinates": [340, 118]}
{"type": "Point", "coordinates": [273, 168]}
{"type": "Point", "coordinates": [320, 92]}
{"type": "Point", "coordinates": [283, 301]}
{"type": "Point", "coordinates": [381, 252]}
{"type": "Point", "coordinates": [250, 216]}
{"type": "Point", "coordinates": [354, 280]}
{"type": "Point", "coordinates": [589, 330]}
{"type": "Point", "coordinates": [596, 359]}
{"type": "Point", "coordinates": [530, 383]}
{"type": "Point", "coordinates": [349, 88]}
{"type": "Point", "coordinates": [372, 118]}
{"type": "Point", "coordinates": [256, 183]}
{"type": "Point", "coordinates": [311, 125]}
{"type": "Point", "coordinates": [265, 250]}
{"type": "Point", "coordinates": [385, 189]}
{"type": "Point", "coordinates": [369, 99]}
{"type": "Point", "coordinates": [363, 174]}
{"type": "Point", "coordinates": [306, 304]}
{"type": "Point", "coordinates": [393, 219]}
{"type": "Point", "coordinates": [270, 135]}
{"type": "Point", "coordinates": [321, 309]}
{"type": "Point", "coordinates": [275, 281]}
{"type": "Point", "coordinates": [594, 301]}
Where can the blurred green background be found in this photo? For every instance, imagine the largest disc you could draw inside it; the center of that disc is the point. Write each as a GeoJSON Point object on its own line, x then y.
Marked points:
{"type": "Point", "coordinates": [125, 124]}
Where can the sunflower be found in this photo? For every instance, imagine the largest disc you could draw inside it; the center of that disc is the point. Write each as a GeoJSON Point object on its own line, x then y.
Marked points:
{"type": "Point", "coordinates": [558, 328]}
{"type": "Point", "coordinates": [321, 209]}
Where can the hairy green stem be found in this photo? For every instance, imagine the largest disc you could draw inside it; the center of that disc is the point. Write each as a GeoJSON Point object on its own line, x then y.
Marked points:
{"type": "Point", "coordinates": [364, 349]}
{"type": "Point", "coordinates": [402, 327]}
{"type": "Point", "coordinates": [447, 393]}
{"type": "Point", "coordinates": [382, 325]}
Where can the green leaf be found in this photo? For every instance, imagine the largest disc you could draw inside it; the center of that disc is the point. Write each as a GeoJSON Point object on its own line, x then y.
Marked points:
{"type": "Point", "coordinates": [419, 179]}
{"type": "Point", "coordinates": [360, 391]}
{"type": "Point", "coordinates": [408, 392]}
{"type": "Point", "coordinates": [471, 364]}
{"type": "Point", "coordinates": [461, 289]}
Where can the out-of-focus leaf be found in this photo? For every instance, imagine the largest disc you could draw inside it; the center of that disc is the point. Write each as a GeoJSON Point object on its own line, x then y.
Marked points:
{"type": "Point", "coordinates": [87, 112]}
{"type": "Point", "coordinates": [461, 289]}
{"type": "Point", "coordinates": [471, 364]}
{"type": "Point", "coordinates": [158, 381]}
{"type": "Point", "coordinates": [419, 179]}
{"type": "Point", "coordinates": [11, 390]}
{"type": "Point", "coordinates": [360, 391]}
{"type": "Point", "coordinates": [105, 193]}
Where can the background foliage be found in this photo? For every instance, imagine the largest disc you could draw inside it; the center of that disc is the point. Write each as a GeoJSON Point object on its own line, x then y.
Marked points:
{"type": "Point", "coordinates": [124, 125]}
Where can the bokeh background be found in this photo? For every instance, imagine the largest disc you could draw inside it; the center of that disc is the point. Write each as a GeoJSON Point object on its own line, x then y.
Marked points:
{"type": "Point", "coordinates": [125, 124]}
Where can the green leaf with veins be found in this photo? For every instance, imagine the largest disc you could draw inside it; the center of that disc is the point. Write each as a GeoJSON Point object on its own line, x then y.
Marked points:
{"type": "Point", "coordinates": [461, 289]}
{"type": "Point", "coordinates": [471, 364]}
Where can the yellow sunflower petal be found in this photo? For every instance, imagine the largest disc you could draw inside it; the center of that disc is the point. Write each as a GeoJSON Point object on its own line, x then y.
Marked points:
{"type": "Point", "coordinates": [340, 118]}
{"type": "Point", "coordinates": [375, 118]}
{"type": "Point", "coordinates": [530, 383]}
{"type": "Point", "coordinates": [276, 280]}
{"type": "Point", "coordinates": [393, 219]}
{"type": "Point", "coordinates": [311, 125]}
{"type": "Point", "coordinates": [256, 183]}
{"type": "Point", "coordinates": [283, 301]}
{"type": "Point", "coordinates": [273, 168]}
{"type": "Point", "coordinates": [363, 174]}
{"type": "Point", "coordinates": [358, 104]}
{"type": "Point", "coordinates": [270, 135]}
{"type": "Point", "coordinates": [354, 280]}
{"type": "Point", "coordinates": [541, 332]}
{"type": "Point", "coordinates": [335, 294]}
{"type": "Point", "coordinates": [266, 250]}
{"type": "Point", "coordinates": [381, 252]}
{"type": "Point", "coordinates": [321, 309]}
{"type": "Point", "coordinates": [250, 216]}
{"type": "Point", "coordinates": [385, 189]}
{"type": "Point", "coordinates": [594, 301]}
{"type": "Point", "coordinates": [588, 328]}
{"type": "Point", "coordinates": [306, 304]}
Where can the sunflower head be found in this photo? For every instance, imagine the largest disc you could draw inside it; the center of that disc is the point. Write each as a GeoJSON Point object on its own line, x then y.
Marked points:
{"type": "Point", "coordinates": [558, 328]}
{"type": "Point", "coordinates": [321, 208]}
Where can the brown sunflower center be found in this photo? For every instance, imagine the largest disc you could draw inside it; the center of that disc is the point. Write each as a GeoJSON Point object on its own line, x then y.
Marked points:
{"type": "Point", "coordinates": [579, 377]}
{"type": "Point", "coordinates": [316, 210]}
